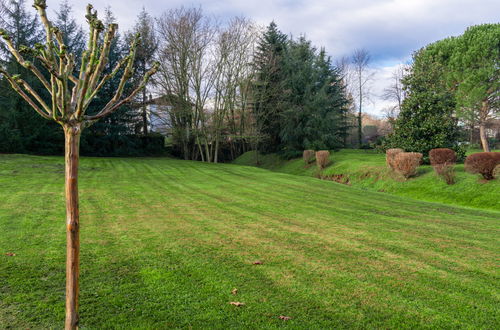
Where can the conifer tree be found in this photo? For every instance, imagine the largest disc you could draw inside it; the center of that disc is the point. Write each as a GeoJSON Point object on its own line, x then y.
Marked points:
{"type": "Point", "coordinates": [145, 54]}
{"type": "Point", "coordinates": [269, 85]}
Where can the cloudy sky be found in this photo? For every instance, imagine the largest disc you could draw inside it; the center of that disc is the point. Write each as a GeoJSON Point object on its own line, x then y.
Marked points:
{"type": "Point", "coordinates": [389, 29]}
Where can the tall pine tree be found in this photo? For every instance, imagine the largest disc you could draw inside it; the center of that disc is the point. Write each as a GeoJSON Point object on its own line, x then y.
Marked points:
{"type": "Point", "coordinates": [145, 55]}
{"type": "Point", "coordinates": [269, 86]}
{"type": "Point", "coordinates": [315, 101]}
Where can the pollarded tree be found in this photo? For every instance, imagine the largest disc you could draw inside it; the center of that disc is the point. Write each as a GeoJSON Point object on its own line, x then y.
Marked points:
{"type": "Point", "coordinates": [70, 96]}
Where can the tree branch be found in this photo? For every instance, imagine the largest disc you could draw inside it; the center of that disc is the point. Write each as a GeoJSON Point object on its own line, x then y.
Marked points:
{"type": "Point", "coordinates": [110, 108]}
{"type": "Point", "coordinates": [17, 88]}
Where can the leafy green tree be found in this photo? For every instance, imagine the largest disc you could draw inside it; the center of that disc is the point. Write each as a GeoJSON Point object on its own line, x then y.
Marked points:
{"type": "Point", "coordinates": [426, 120]}
{"type": "Point", "coordinates": [269, 86]}
{"type": "Point", "coordinates": [474, 74]}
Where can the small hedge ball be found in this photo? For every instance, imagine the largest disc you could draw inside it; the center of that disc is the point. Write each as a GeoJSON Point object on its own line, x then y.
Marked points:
{"type": "Point", "coordinates": [390, 154]}
{"type": "Point", "coordinates": [483, 163]}
{"type": "Point", "coordinates": [308, 156]}
{"type": "Point", "coordinates": [440, 156]}
{"type": "Point", "coordinates": [322, 158]}
{"type": "Point", "coordinates": [406, 163]}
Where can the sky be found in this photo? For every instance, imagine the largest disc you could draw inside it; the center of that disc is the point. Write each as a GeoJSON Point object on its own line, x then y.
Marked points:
{"type": "Point", "coordinates": [389, 29]}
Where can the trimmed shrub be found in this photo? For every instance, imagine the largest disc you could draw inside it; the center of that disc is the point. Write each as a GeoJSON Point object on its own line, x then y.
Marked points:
{"type": "Point", "coordinates": [483, 163]}
{"type": "Point", "coordinates": [390, 154]}
{"type": "Point", "coordinates": [406, 163]}
{"type": "Point", "coordinates": [440, 156]}
{"type": "Point", "coordinates": [308, 156]}
{"type": "Point", "coordinates": [322, 158]}
{"type": "Point", "coordinates": [443, 161]}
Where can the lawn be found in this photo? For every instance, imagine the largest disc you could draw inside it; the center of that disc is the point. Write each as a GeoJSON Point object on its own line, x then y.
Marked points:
{"type": "Point", "coordinates": [366, 169]}
{"type": "Point", "coordinates": [164, 242]}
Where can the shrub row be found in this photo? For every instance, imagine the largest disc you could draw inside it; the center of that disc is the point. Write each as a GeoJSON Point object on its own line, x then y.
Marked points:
{"type": "Point", "coordinates": [322, 157]}
{"type": "Point", "coordinates": [443, 161]}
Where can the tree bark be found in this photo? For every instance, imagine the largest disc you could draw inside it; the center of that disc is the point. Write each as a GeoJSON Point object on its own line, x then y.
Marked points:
{"type": "Point", "coordinates": [144, 113]}
{"type": "Point", "coordinates": [72, 154]}
{"type": "Point", "coordinates": [484, 139]}
{"type": "Point", "coordinates": [360, 122]}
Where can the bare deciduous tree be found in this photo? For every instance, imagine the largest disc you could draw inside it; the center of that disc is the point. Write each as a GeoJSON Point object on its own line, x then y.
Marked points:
{"type": "Point", "coordinates": [186, 75]}
{"type": "Point", "coordinates": [362, 76]}
{"type": "Point", "coordinates": [395, 92]}
{"type": "Point", "coordinates": [234, 49]}
{"type": "Point", "coordinates": [205, 72]}
{"type": "Point", "coordinates": [70, 98]}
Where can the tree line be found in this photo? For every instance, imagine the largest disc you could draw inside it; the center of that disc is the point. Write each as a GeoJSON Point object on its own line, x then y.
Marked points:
{"type": "Point", "coordinates": [222, 89]}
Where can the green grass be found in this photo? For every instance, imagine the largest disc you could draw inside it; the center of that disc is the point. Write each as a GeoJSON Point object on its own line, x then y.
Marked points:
{"type": "Point", "coordinates": [164, 242]}
{"type": "Point", "coordinates": [366, 169]}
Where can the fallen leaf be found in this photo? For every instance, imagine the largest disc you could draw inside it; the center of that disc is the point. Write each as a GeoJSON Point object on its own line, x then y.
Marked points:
{"type": "Point", "coordinates": [257, 262]}
{"type": "Point", "coordinates": [284, 318]}
{"type": "Point", "coordinates": [237, 303]}
{"type": "Point", "coordinates": [234, 291]}
{"type": "Point", "coordinates": [10, 254]}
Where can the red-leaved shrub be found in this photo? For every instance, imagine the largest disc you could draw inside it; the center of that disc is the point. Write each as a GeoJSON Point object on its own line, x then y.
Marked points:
{"type": "Point", "coordinates": [443, 161]}
{"type": "Point", "coordinates": [322, 158]}
{"type": "Point", "coordinates": [442, 156]}
{"type": "Point", "coordinates": [483, 163]}
{"type": "Point", "coordinates": [390, 154]}
{"type": "Point", "coordinates": [406, 163]}
{"type": "Point", "coordinates": [308, 156]}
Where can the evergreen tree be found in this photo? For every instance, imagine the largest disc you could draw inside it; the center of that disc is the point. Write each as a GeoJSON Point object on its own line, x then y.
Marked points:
{"type": "Point", "coordinates": [73, 35]}
{"type": "Point", "coordinates": [315, 101]}
{"type": "Point", "coordinates": [269, 86]}
{"type": "Point", "coordinates": [21, 129]}
{"type": "Point", "coordinates": [146, 50]}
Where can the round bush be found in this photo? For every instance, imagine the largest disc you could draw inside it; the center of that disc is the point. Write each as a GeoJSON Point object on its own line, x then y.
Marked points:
{"type": "Point", "coordinates": [483, 163]}
{"type": "Point", "coordinates": [308, 156]}
{"type": "Point", "coordinates": [406, 163]}
{"type": "Point", "coordinates": [322, 158]}
{"type": "Point", "coordinates": [390, 154]}
{"type": "Point", "coordinates": [440, 156]}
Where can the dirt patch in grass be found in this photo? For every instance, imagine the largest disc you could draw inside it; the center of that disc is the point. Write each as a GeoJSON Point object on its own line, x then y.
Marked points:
{"type": "Point", "coordinates": [339, 178]}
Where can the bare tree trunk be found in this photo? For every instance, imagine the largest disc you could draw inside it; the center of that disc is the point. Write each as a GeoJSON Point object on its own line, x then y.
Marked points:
{"type": "Point", "coordinates": [360, 122]}
{"type": "Point", "coordinates": [144, 113]}
{"type": "Point", "coordinates": [484, 139]}
{"type": "Point", "coordinates": [72, 153]}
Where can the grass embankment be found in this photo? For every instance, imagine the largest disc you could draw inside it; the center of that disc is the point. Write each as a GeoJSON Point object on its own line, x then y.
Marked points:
{"type": "Point", "coordinates": [165, 241]}
{"type": "Point", "coordinates": [366, 169]}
